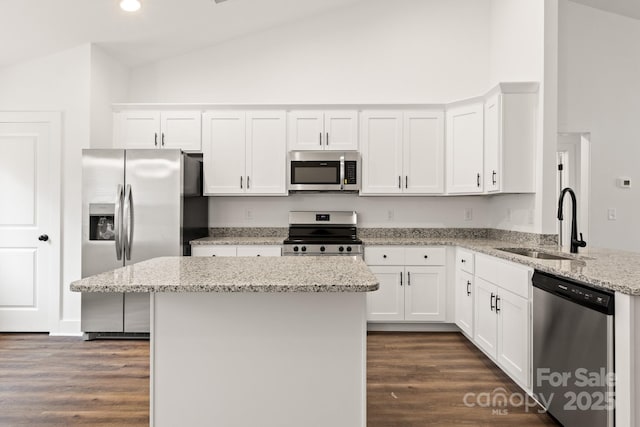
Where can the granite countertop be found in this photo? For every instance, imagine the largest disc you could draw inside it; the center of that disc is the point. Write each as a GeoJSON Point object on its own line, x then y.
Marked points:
{"type": "Point", "coordinates": [239, 240]}
{"type": "Point", "coordinates": [235, 274]}
{"type": "Point", "coordinates": [603, 268]}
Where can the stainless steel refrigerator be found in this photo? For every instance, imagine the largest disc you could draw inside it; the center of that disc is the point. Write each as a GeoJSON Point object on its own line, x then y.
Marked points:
{"type": "Point", "coordinates": [136, 205]}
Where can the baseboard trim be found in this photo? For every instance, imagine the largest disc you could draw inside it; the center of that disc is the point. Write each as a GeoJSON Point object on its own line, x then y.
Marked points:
{"type": "Point", "coordinates": [412, 327]}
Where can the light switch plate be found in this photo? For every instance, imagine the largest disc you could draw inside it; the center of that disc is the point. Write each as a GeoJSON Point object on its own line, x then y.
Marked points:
{"type": "Point", "coordinates": [612, 215]}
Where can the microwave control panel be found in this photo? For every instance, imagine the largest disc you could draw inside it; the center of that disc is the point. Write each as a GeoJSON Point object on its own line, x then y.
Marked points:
{"type": "Point", "coordinates": [350, 175]}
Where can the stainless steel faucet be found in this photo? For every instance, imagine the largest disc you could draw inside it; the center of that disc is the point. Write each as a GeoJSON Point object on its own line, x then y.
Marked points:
{"type": "Point", "coordinates": [575, 243]}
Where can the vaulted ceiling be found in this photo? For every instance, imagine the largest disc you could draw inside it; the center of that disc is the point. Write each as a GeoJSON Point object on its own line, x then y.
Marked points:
{"type": "Point", "coordinates": [162, 28]}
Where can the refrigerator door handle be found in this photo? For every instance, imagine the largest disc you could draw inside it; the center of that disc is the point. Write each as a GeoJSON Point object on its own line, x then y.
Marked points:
{"type": "Point", "coordinates": [117, 223]}
{"type": "Point", "coordinates": [128, 223]}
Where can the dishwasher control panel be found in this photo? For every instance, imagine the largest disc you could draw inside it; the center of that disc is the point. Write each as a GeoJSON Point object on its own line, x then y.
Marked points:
{"type": "Point", "coordinates": [577, 292]}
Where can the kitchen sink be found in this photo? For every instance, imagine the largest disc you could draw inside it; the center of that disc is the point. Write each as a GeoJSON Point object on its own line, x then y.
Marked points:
{"type": "Point", "coordinates": [532, 253]}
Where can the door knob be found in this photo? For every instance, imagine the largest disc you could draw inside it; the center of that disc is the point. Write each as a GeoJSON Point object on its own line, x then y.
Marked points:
{"type": "Point", "coordinates": [43, 238]}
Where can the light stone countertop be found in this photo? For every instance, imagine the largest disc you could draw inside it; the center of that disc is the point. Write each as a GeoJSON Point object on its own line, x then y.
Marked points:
{"type": "Point", "coordinates": [235, 274]}
{"type": "Point", "coordinates": [609, 269]}
{"type": "Point", "coordinates": [244, 240]}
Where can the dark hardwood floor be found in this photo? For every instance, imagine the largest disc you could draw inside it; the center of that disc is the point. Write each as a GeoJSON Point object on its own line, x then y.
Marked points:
{"type": "Point", "coordinates": [414, 379]}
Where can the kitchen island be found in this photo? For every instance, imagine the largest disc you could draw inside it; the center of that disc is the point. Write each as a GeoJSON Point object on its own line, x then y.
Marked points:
{"type": "Point", "coordinates": [252, 341]}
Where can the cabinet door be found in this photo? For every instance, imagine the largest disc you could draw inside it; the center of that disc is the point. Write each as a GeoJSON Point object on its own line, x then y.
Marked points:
{"type": "Point", "coordinates": [425, 294]}
{"type": "Point", "coordinates": [181, 129]}
{"type": "Point", "coordinates": [224, 152]}
{"type": "Point", "coordinates": [306, 130]}
{"type": "Point", "coordinates": [387, 303]}
{"type": "Point", "coordinates": [513, 336]}
{"type": "Point", "coordinates": [492, 151]}
{"type": "Point", "coordinates": [341, 130]}
{"type": "Point", "coordinates": [213, 250]}
{"type": "Point", "coordinates": [137, 129]}
{"type": "Point", "coordinates": [465, 149]}
{"type": "Point", "coordinates": [253, 250]}
{"type": "Point", "coordinates": [266, 153]}
{"type": "Point", "coordinates": [423, 152]}
{"type": "Point", "coordinates": [464, 302]}
{"type": "Point", "coordinates": [381, 152]}
{"type": "Point", "coordinates": [485, 319]}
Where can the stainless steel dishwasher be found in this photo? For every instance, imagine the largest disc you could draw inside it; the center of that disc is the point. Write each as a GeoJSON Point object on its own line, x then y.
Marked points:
{"type": "Point", "coordinates": [573, 361]}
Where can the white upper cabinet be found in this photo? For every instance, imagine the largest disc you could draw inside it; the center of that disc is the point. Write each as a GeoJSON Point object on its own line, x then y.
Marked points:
{"type": "Point", "coordinates": [509, 142]}
{"type": "Point", "coordinates": [381, 152]}
{"type": "Point", "coordinates": [323, 130]}
{"type": "Point", "coordinates": [158, 129]}
{"type": "Point", "coordinates": [244, 153]}
{"type": "Point", "coordinates": [266, 152]}
{"type": "Point", "coordinates": [402, 152]}
{"type": "Point", "coordinates": [423, 158]}
{"type": "Point", "coordinates": [465, 148]}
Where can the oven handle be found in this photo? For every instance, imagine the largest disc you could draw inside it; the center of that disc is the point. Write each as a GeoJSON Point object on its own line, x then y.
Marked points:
{"type": "Point", "coordinates": [341, 171]}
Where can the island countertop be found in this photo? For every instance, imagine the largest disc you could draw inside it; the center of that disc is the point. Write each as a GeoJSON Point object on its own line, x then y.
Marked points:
{"type": "Point", "coordinates": [235, 274]}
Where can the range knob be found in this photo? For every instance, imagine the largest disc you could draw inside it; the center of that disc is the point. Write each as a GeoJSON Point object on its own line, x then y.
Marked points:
{"type": "Point", "coordinates": [322, 248]}
{"type": "Point", "coordinates": [348, 248]}
{"type": "Point", "coordinates": [295, 249]}
{"type": "Point", "coordinates": [341, 248]}
{"type": "Point", "coordinates": [304, 249]}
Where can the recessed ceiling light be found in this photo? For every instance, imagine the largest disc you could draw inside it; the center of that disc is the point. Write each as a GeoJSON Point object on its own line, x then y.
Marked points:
{"type": "Point", "coordinates": [130, 5]}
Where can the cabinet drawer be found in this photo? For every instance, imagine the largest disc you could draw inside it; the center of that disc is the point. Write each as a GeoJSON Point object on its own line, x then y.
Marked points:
{"type": "Point", "coordinates": [384, 255]}
{"type": "Point", "coordinates": [464, 260]}
{"type": "Point", "coordinates": [512, 277]}
{"type": "Point", "coordinates": [259, 251]}
{"type": "Point", "coordinates": [213, 250]}
{"type": "Point", "coordinates": [424, 256]}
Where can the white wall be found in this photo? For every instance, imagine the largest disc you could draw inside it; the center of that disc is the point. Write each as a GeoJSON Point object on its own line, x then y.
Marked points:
{"type": "Point", "coordinates": [109, 84]}
{"type": "Point", "coordinates": [406, 51]}
{"type": "Point", "coordinates": [428, 212]}
{"type": "Point", "coordinates": [373, 51]}
{"type": "Point", "coordinates": [599, 93]}
{"type": "Point", "coordinates": [519, 53]}
{"type": "Point", "coordinates": [59, 82]}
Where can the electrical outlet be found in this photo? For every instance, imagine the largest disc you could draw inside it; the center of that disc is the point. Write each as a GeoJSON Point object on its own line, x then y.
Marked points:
{"type": "Point", "coordinates": [612, 215]}
{"type": "Point", "coordinates": [468, 214]}
{"type": "Point", "coordinates": [391, 215]}
{"type": "Point", "coordinates": [248, 215]}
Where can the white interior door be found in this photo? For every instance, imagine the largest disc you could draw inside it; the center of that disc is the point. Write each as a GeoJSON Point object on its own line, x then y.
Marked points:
{"type": "Point", "coordinates": [29, 220]}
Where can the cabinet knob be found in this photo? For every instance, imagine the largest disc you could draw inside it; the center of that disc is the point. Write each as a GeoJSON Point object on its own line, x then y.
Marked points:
{"type": "Point", "coordinates": [463, 261]}
{"type": "Point", "coordinates": [426, 256]}
{"type": "Point", "coordinates": [384, 256]}
{"type": "Point", "coordinates": [213, 255]}
{"type": "Point", "coordinates": [43, 238]}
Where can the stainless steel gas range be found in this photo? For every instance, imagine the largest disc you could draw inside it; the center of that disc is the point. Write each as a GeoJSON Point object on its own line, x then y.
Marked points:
{"type": "Point", "coordinates": [323, 233]}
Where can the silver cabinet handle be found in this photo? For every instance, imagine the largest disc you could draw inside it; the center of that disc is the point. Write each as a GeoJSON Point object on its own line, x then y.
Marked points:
{"type": "Point", "coordinates": [155, 139]}
{"type": "Point", "coordinates": [240, 182]}
{"type": "Point", "coordinates": [326, 141]}
{"type": "Point", "coordinates": [399, 181]}
{"type": "Point", "coordinates": [468, 287]}
{"type": "Point", "coordinates": [128, 222]}
{"type": "Point", "coordinates": [320, 138]}
{"type": "Point", "coordinates": [401, 278]}
{"type": "Point", "coordinates": [248, 182]}
{"type": "Point", "coordinates": [408, 278]}
{"type": "Point", "coordinates": [163, 139]}
{"type": "Point", "coordinates": [406, 181]}
{"type": "Point", "coordinates": [117, 223]}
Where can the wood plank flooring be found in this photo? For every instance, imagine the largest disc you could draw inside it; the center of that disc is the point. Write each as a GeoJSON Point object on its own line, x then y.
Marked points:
{"type": "Point", "coordinates": [414, 380]}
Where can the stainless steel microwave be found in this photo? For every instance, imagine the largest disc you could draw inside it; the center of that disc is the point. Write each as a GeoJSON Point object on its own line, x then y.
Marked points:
{"type": "Point", "coordinates": [324, 171]}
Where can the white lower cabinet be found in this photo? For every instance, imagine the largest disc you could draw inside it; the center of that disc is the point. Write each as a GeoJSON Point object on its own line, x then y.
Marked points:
{"type": "Point", "coordinates": [502, 315]}
{"type": "Point", "coordinates": [233, 250]}
{"type": "Point", "coordinates": [415, 293]}
{"type": "Point", "coordinates": [464, 294]}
